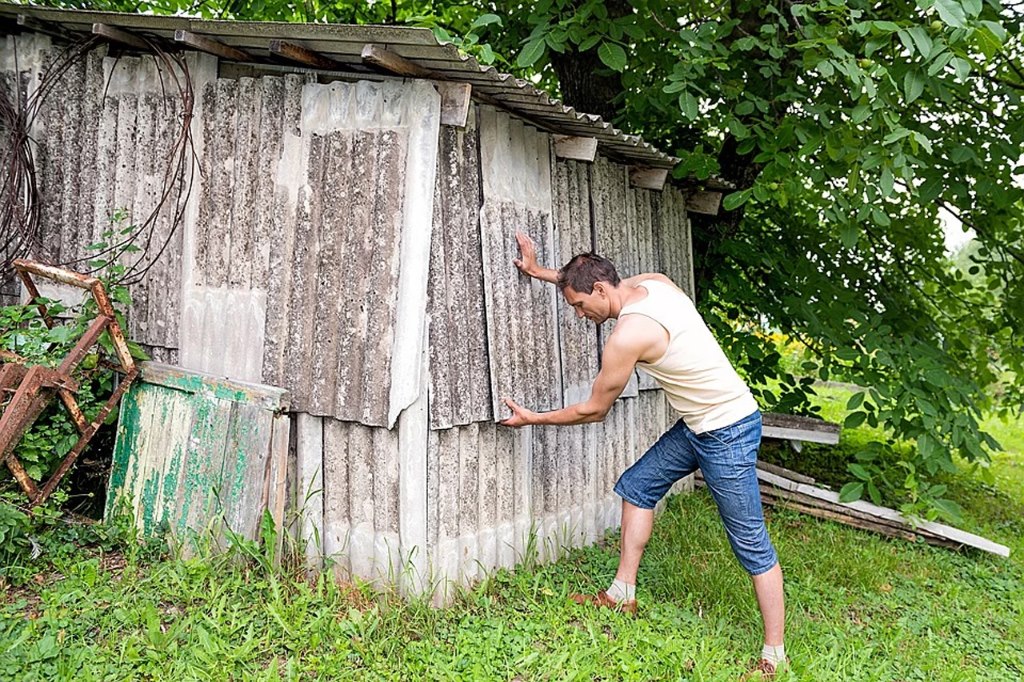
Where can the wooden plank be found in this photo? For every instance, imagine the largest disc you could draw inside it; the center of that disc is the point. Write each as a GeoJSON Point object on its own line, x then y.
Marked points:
{"type": "Point", "coordinates": [118, 35]}
{"type": "Point", "coordinates": [939, 529]}
{"type": "Point", "coordinates": [575, 147]}
{"type": "Point", "coordinates": [385, 59]}
{"type": "Point", "coordinates": [302, 55]}
{"type": "Point", "coordinates": [456, 99]}
{"type": "Point", "coordinates": [706, 203]}
{"type": "Point", "coordinates": [648, 178]}
{"type": "Point", "coordinates": [782, 471]}
{"type": "Point", "coordinates": [269, 397]}
{"type": "Point", "coordinates": [210, 45]}
{"type": "Point", "coordinates": [806, 435]}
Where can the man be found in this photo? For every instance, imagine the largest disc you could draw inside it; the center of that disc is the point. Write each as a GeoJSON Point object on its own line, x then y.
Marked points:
{"type": "Point", "coordinates": [660, 331]}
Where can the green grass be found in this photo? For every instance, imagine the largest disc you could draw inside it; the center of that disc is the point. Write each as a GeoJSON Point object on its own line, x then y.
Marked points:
{"type": "Point", "coordinates": [860, 607]}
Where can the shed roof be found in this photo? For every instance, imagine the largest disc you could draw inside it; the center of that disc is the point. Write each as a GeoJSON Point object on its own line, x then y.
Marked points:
{"type": "Point", "coordinates": [344, 44]}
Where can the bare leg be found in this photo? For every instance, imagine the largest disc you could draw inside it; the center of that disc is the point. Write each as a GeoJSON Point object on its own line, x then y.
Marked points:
{"type": "Point", "coordinates": [636, 531]}
{"type": "Point", "coordinates": [768, 588]}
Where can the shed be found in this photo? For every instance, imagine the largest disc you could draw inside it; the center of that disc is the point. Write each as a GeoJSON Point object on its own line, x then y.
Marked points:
{"type": "Point", "coordinates": [342, 227]}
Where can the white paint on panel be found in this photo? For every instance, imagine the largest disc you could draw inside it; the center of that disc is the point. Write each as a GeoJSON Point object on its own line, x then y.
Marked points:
{"type": "Point", "coordinates": [309, 450]}
{"type": "Point", "coordinates": [219, 320]}
{"type": "Point", "coordinates": [408, 370]}
{"type": "Point", "coordinates": [412, 486]}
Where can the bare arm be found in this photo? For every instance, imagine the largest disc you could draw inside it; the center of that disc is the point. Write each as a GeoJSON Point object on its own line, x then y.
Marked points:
{"type": "Point", "coordinates": [617, 362]}
{"type": "Point", "coordinates": [527, 261]}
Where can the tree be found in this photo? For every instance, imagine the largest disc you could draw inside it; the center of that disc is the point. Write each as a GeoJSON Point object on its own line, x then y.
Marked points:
{"type": "Point", "coordinates": [844, 126]}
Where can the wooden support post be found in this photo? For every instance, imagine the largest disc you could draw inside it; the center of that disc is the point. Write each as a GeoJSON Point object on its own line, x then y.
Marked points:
{"type": "Point", "coordinates": [648, 178]}
{"type": "Point", "coordinates": [214, 47]}
{"type": "Point", "coordinates": [706, 203]}
{"type": "Point", "coordinates": [386, 60]}
{"type": "Point", "coordinates": [118, 35]}
{"type": "Point", "coordinates": [302, 55]}
{"type": "Point", "coordinates": [455, 101]}
{"type": "Point", "coordinates": [576, 148]}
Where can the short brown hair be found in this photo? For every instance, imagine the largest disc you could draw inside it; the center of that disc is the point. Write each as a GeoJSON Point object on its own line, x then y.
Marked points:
{"type": "Point", "coordinates": [585, 270]}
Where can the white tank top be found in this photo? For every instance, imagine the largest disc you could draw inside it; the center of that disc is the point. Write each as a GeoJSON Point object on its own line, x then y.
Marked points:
{"type": "Point", "coordinates": [698, 379]}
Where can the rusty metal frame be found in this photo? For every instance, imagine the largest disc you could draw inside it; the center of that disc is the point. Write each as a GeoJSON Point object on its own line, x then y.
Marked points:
{"type": "Point", "coordinates": [33, 386]}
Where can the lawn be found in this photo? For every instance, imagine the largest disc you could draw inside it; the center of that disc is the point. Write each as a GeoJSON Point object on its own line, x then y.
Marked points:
{"type": "Point", "coordinates": [860, 607]}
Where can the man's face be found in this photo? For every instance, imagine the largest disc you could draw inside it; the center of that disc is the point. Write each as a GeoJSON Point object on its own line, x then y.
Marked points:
{"type": "Point", "coordinates": [593, 306]}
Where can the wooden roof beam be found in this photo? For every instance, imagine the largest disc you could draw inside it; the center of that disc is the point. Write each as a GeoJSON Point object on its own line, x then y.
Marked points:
{"type": "Point", "coordinates": [118, 35]}
{"type": "Point", "coordinates": [386, 60]}
{"type": "Point", "coordinates": [302, 55]}
{"type": "Point", "coordinates": [576, 148]}
{"type": "Point", "coordinates": [706, 203]}
{"type": "Point", "coordinates": [211, 46]}
{"type": "Point", "coordinates": [648, 178]}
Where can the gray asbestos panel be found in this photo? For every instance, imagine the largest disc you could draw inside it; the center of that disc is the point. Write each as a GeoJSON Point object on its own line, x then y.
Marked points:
{"type": "Point", "coordinates": [615, 235]}
{"type": "Point", "coordinates": [105, 145]}
{"type": "Point", "coordinates": [521, 315]}
{"type": "Point", "coordinates": [360, 499]}
{"type": "Point", "coordinates": [672, 238]}
{"type": "Point", "coordinates": [459, 380]}
{"type": "Point", "coordinates": [305, 200]}
{"type": "Point", "coordinates": [577, 336]}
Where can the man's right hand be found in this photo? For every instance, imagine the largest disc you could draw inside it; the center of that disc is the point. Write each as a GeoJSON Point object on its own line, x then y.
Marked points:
{"type": "Point", "coordinates": [527, 261]}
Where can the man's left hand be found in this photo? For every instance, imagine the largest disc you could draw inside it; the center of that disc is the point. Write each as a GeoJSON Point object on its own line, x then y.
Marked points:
{"type": "Point", "coordinates": [520, 415]}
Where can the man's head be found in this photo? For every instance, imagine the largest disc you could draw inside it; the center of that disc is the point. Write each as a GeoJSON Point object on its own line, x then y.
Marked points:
{"type": "Point", "coordinates": [586, 282]}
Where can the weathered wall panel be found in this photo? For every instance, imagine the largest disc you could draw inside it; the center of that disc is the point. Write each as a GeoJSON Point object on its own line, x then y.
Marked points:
{"type": "Point", "coordinates": [521, 316]}
{"type": "Point", "coordinates": [360, 500]}
{"type": "Point", "coordinates": [614, 233]}
{"type": "Point", "coordinates": [459, 372]}
{"type": "Point", "coordinates": [672, 238]}
{"type": "Point", "coordinates": [105, 137]}
{"type": "Point", "coordinates": [577, 337]}
{"type": "Point", "coordinates": [349, 163]}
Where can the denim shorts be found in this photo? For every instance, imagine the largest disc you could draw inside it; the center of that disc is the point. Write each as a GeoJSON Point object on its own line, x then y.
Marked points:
{"type": "Point", "coordinates": [727, 457]}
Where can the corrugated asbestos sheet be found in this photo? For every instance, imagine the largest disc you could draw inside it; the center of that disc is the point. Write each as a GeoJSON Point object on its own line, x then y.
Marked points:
{"type": "Point", "coordinates": [103, 146]}
{"type": "Point", "coordinates": [344, 44]}
{"type": "Point", "coordinates": [577, 337]}
{"type": "Point", "coordinates": [478, 491]}
{"type": "Point", "coordinates": [672, 239]}
{"type": "Point", "coordinates": [615, 235]}
{"type": "Point", "coordinates": [299, 243]}
{"type": "Point", "coordinates": [460, 386]}
{"type": "Point", "coordinates": [515, 162]}
{"type": "Point", "coordinates": [194, 451]}
{"type": "Point", "coordinates": [348, 482]}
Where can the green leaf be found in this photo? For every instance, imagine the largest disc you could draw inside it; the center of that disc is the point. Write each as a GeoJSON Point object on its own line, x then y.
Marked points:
{"type": "Point", "coordinates": [886, 182]}
{"type": "Point", "coordinates": [859, 471]}
{"type": "Point", "coordinates": [854, 419]}
{"type": "Point", "coordinates": [951, 13]}
{"type": "Point", "coordinates": [874, 493]}
{"type": "Point", "coordinates": [921, 40]}
{"type": "Point", "coordinates": [688, 105]}
{"type": "Point", "coordinates": [734, 200]}
{"type": "Point", "coordinates": [486, 20]}
{"type": "Point", "coordinates": [851, 492]}
{"type": "Point", "coordinates": [913, 85]}
{"type": "Point", "coordinates": [855, 401]}
{"type": "Point", "coordinates": [849, 235]}
{"type": "Point", "coordinates": [949, 510]}
{"type": "Point", "coordinates": [531, 53]}
{"type": "Point", "coordinates": [613, 56]}
{"type": "Point", "coordinates": [962, 68]}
